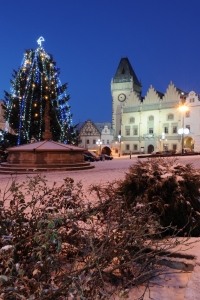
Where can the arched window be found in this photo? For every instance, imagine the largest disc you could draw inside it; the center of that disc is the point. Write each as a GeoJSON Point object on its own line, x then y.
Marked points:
{"type": "Point", "coordinates": [132, 120]}
{"type": "Point", "coordinates": [170, 117]}
{"type": "Point", "coordinates": [151, 118]}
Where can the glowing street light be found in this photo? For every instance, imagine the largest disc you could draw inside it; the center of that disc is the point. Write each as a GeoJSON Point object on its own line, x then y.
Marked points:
{"type": "Point", "coordinates": [119, 138]}
{"type": "Point", "coordinates": [99, 143]}
{"type": "Point", "coordinates": [183, 108]}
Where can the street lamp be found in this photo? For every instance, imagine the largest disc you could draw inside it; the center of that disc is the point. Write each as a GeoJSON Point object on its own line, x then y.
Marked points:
{"type": "Point", "coordinates": [99, 143]}
{"type": "Point", "coordinates": [119, 138]}
{"type": "Point", "coordinates": [183, 108]}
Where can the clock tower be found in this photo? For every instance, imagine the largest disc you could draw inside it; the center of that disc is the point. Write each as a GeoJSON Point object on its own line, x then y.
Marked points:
{"type": "Point", "coordinates": [122, 85]}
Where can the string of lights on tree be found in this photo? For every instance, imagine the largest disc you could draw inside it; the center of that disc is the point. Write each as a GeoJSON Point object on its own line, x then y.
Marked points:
{"type": "Point", "coordinates": [35, 82]}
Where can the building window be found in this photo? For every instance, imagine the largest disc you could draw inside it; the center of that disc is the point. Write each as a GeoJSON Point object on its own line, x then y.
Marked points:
{"type": "Point", "coordinates": [150, 130]}
{"type": "Point", "coordinates": [191, 100]}
{"type": "Point", "coordinates": [174, 147]}
{"type": "Point", "coordinates": [94, 141]}
{"type": "Point", "coordinates": [187, 114]}
{"type": "Point", "coordinates": [108, 142]}
{"type": "Point", "coordinates": [188, 126]}
{"type": "Point", "coordinates": [166, 130]}
{"type": "Point", "coordinates": [88, 141]}
{"type": "Point", "coordinates": [135, 131]}
{"type": "Point", "coordinates": [135, 147]}
{"type": "Point", "coordinates": [165, 147]}
{"type": "Point", "coordinates": [174, 129]}
{"type": "Point", "coordinates": [151, 118]}
{"type": "Point", "coordinates": [132, 120]}
{"type": "Point", "coordinates": [103, 142]}
{"type": "Point", "coordinates": [170, 117]}
{"type": "Point", "coordinates": [80, 141]}
{"type": "Point", "coordinates": [105, 130]}
{"type": "Point", "coordinates": [127, 147]}
{"type": "Point", "coordinates": [127, 131]}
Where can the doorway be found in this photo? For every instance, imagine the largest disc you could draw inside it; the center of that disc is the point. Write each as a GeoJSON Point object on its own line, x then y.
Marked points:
{"type": "Point", "coordinates": [150, 149]}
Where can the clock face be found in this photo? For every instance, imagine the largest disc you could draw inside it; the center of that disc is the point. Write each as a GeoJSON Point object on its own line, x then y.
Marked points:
{"type": "Point", "coordinates": [122, 97]}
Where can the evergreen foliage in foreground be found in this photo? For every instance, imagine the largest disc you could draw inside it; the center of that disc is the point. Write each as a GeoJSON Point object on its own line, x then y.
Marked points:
{"type": "Point", "coordinates": [54, 244]}
{"type": "Point", "coordinates": [172, 190]}
{"type": "Point", "coordinates": [35, 82]}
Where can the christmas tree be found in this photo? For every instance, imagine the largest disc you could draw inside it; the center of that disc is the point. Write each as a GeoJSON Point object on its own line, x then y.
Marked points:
{"type": "Point", "coordinates": [36, 82]}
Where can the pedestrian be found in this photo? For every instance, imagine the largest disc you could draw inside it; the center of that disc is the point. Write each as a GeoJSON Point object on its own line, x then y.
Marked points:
{"type": "Point", "coordinates": [130, 154]}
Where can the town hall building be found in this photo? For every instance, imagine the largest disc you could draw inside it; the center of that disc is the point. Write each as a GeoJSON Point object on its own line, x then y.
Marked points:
{"type": "Point", "coordinates": [151, 123]}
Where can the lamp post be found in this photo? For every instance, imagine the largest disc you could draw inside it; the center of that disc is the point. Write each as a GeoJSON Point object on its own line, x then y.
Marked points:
{"type": "Point", "coordinates": [183, 108]}
{"type": "Point", "coordinates": [99, 143]}
{"type": "Point", "coordinates": [119, 138]}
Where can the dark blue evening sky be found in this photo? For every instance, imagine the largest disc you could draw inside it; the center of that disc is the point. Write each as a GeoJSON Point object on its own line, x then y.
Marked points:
{"type": "Point", "coordinates": [87, 38]}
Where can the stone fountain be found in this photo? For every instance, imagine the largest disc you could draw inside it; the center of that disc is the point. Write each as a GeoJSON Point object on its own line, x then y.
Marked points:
{"type": "Point", "coordinates": [44, 156]}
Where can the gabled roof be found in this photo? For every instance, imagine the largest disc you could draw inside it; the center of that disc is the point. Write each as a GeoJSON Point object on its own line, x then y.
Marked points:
{"type": "Point", "coordinates": [98, 125]}
{"type": "Point", "coordinates": [125, 72]}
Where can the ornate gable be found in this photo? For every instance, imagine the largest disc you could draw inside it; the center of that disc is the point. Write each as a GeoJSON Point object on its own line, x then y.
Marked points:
{"type": "Point", "coordinates": [151, 96]}
{"type": "Point", "coordinates": [172, 93]}
{"type": "Point", "coordinates": [133, 100]}
{"type": "Point", "coordinates": [89, 129]}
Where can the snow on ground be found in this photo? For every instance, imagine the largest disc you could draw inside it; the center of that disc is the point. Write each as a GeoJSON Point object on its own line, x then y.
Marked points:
{"type": "Point", "coordinates": [172, 287]}
{"type": "Point", "coordinates": [104, 171]}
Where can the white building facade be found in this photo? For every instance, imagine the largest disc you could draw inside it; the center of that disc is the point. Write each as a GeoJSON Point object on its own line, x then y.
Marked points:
{"type": "Point", "coordinates": [96, 136]}
{"type": "Point", "coordinates": [151, 123]}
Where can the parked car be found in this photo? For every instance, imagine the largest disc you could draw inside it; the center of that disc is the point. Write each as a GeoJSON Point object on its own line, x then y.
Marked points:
{"type": "Point", "coordinates": [186, 151]}
{"type": "Point", "coordinates": [168, 152]}
{"type": "Point", "coordinates": [92, 156]}
{"type": "Point", "coordinates": [156, 153]}
{"type": "Point", "coordinates": [88, 157]}
{"type": "Point", "coordinates": [105, 157]}
{"type": "Point", "coordinates": [163, 153]}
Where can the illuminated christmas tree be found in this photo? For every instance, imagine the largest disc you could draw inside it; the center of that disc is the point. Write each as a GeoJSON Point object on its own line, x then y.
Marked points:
{"type": "Point", "coordinates": [36, 82]}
